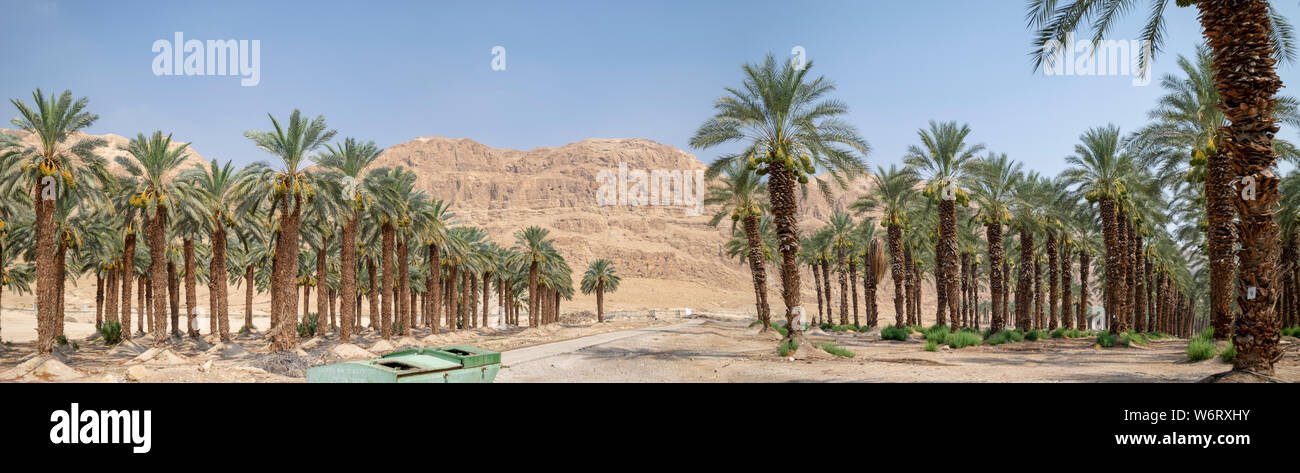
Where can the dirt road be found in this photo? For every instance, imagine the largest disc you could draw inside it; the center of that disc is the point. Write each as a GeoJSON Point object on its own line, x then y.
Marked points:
{"type": "Point", "coordinates": [726, 351]}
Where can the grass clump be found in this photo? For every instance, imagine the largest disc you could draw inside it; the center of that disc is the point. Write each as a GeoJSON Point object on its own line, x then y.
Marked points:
{"type": "Point", "coordinates": [1005, 336]}
{"type": "Point", "coordinates": [963, 339]}
{"type": "Point", "coordinates": [1130, 337]}
{"type": "Point", "coordinates": [1200, 349]}
{"type": "Point", "coordinates": [937, 333]}
{"type": "Point", "coordinates": [111, 332]}
{"type": "Point", "coordinates": [307, 330]}
{"type": "Point", "coordinates": [787, 347]}
{"type": "Point", "coordinates": [893, 333]}
{"type": "Point", "coordinates": [1291, 331]}
{"type": "Point", "coordinates": [781, 329]}
{"type": "Point", "coordinates": [1035, 335]}
{"type": "Point", "coordinates": [931, 345]}
{"type": "Point", "coordinates": [835, 350]}
{"type": "Point", "coordinates": [1107, 339]}
{"type": "Point", "coordinates": [1228, 353]}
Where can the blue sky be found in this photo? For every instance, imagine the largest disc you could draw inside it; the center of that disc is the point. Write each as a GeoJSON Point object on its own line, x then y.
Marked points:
{"type": "Point", "coordinates": [390, 71]}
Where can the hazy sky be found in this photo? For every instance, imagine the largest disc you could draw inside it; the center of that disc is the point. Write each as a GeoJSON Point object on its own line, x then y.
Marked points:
{"type": "Point", "coordinates": [391, 71]}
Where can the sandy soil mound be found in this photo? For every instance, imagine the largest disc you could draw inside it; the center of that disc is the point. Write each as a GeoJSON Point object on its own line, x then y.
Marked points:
{"type": "Point", "coordinates": [41, 368]}
{"type": "Point", "coordinates": [382, 347]}
{"type": "Point", "coordinates": [810, 351]}
{"type": "Point", "coordinates": [771, 335]}
{"type": "Point", "coordinates": [229, 351]}
{"type": "Point", "coordinates": [126, 348]}
{"type": "Point", "coordinates": [160, 355]}
{"type": "Point", "coordinates": [408, 342]}
{"type": "Point", "coordinates": [350, 352]}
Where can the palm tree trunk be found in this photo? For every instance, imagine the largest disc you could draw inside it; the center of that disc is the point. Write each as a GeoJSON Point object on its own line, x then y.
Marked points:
{"type": "Point", "coordinates": [1067, 300]}
{"type": "Point", "coordinates": [1040, 314]}
{"type": "Point", "coordinates": [1110, 234]}
{"type": "Point", "coordinates": [453, 316]}
{"type": "Point", "coordinates": [841, 259]}
{"type": "Point", "coordinates": [284, 336]}
{"type": "Point", "coordinates": [754, 242]}
{"type": "Point", "coordinates": [964, 320]}
{"type": "Point", "coordinates": [433, 286]}
{"type": "Point", "coordinates": [895, 234]}
{"type": "Point", "coordinates": [1053, 277]}
{"type": "Point", "coordinates": [218, 281]}
{"type": "Point", "coordinates": [853, 285]}
{"type": "Point", "coordinates": [46, 273]}
{"type": "Point", "coordinates": [191, 290]}
{"type": "Point", "coordinates": [158, 275]}
{"type": "Point", "coordinates": [387, 290]}
{"type": "Point", "coordinates": [947, 271]}
{"type": "Point", "coordinates": [111, 294]}
{"type": "Point", "coordinates": [322, 297]}
{"type": "Point", "coordinates": [1139, 288]}
{"type": "Point", "coordinates": [348, 312]}
{"type": "Point", "coordinates": [249, 284]}
{"type": "Point", "coordinates": [781, 192]}
{"type": "Point", "coordinates": [1024, 290]}
{"type": "Point", "coordinates": [404, 286]}
{"type": "Point", "coordinates": [487, 295]}
{"type": "Point", "coordinates": [817, 285]}
{"type": "Point", "coordinates": [373, 294]}
{"type": "Point", "coordinates": [1238, 32]}
{"type": "Point", "coordinates": [1085, 260]}
{"type": "Point", "coordinates": [826, 284]}
{"type": "Point", "coordinates": [993, 233]}
{"type": "Point", "coordinates": [532, 294]}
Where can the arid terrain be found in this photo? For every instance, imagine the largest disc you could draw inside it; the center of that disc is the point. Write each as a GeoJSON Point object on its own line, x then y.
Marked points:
{"type": "Point", "coordinates": [638, 348]}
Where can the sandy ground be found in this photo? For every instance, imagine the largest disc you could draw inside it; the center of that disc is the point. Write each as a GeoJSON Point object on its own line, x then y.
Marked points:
{"type": "Point", "coordinates": [632, 349]}
{"type": "Point", "coordinates": [714, 350]}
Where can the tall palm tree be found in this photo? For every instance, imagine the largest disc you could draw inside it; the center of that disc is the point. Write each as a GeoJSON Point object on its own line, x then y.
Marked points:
{"type": "Point", "coordinates": [841, 244]}
{"type": "Point", "coordinates": [789, 131]}
{"type": "Point", "coordinates": [60, 159]}
{"type": "Point", "coordinates": [738, 192]}
{"type": "Point", "coordinates": [993, 183]}
{"type": "Point", "coordinates": [1101, 169]}
{"type": "Point", "coordinates": [346, 161]}
{"type": "Point", "coordinates": [530, 244]}
{"type": "Point", "coordinates": [892, 189]}
{"type": "Point", "coordinates": [1246, 38]}
{"type": "Point", "coordinates": [942, 161]}
{"type": "Point", "coordinates": [289, 188]}
{"type": "Point", "coordinates": [216, 185]}
{"type": "Point", "coordinates": [153, 162]}
{"type": "Point", "coordinates": [600, 278]}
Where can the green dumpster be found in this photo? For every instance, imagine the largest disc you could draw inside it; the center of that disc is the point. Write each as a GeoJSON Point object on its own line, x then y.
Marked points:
{"type": "Point", "coordinates": [449, 364]}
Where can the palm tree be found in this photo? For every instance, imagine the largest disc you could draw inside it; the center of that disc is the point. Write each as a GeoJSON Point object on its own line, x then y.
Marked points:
{"type": "Point", "coordinates": [59, 160]}
{"type": "Point", "coordinates": [993, 182]}
{"type": "Point", "coordinates": [873, 265]}
{"type": "Point", "coordinates": [530, 244]}
{"type": "Point", "coordinates": [1101, 170]}
{"type": "Point", "coordinates": [738, 191]}
{"type": "Point", "coordinates": [346, 161]}
{"type": "Point", "coordinates": [289, 188]}
{"type": "Point", "coordinates": [216, 185]}
{"type": "Point", "coordinates": [153, 162]}
{"type": "Point", "coordinates": [599, 278]}
{"type": "Point", "coordinates": [841, 244]}
{"type": "Point", "coordinates": [942, 162]}
{"type": "Point", "coordinates": [789, 131]}
{"type": "Point", "coordinates": [891, 192]}
{"type": "Point", "coordinates": [1246, 37]}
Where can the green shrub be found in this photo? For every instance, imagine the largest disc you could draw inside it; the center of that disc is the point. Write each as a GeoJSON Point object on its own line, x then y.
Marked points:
{"type": "Point", "coordinates": [931, 345]}
{"type": "Point", "coordinates": [61, 340]}
{"type": "Point", "coordinates": [111, 332]}
{"type": "Point", "coordinates": [937, 333]}
{"type": "Point", "coordinates": [834, 350]}
{"type": "Point", "coordinates": [893, 333]}
{"type": "Point", "coordinates": [782, 329]}
{"type": "Point", "coordinates": [1228, 353]}
{"type": "Point", "coordinates": [1292, 331]}
{"type": "Point", "coordinates": [1130, 337]}
{"type": "Point", "coordinates": [1035, 335]}
{"type": "Point", "coordinates": [787, 347]}
{"type": "Point", "coordinates": [864, 329]}
{"type": "Point", "coordinates": [1206, 334]}
{"type": "Point", "coordinates": [825, 326]}
{"type": "Point", "coordinates": [1005, 336]}
{"type": "Point", "coordinates": [1200, 349]}
{"type": "Point", "coordinates": [962, 339]}
{"type": "Point", "coordinates": [1107, 339]}
{"type": "Point", "coordinates": [308, 329]}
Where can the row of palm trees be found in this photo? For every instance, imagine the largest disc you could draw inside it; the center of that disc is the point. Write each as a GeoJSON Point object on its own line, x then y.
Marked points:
{"type": "Point", "coordinates": [1111, 206]}
{"type": "Point", "coordinates": [348, 231]}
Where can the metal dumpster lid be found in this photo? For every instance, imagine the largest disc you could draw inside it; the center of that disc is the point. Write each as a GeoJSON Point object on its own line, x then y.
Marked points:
{"type": "Point", "coordinates": [415, 363]}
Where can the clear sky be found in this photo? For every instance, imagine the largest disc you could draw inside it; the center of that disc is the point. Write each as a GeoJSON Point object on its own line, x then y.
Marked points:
{"type": "Point", "coordinates": [390, 71]}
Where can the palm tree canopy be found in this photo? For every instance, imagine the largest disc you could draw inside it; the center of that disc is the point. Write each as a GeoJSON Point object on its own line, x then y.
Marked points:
{"type": "Point", "coordinates": [600, 274]}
